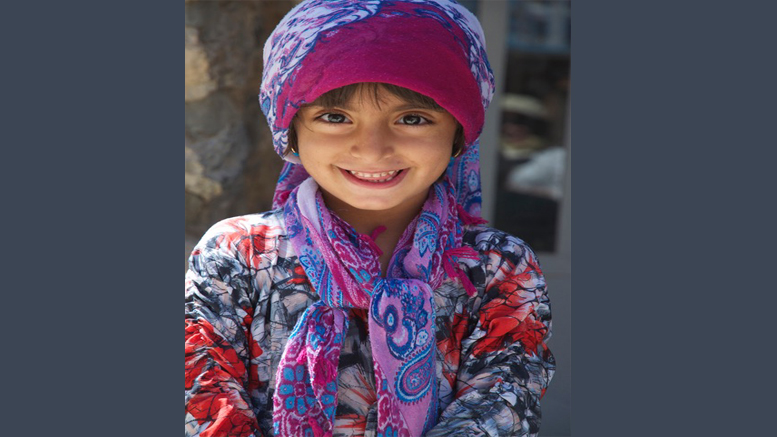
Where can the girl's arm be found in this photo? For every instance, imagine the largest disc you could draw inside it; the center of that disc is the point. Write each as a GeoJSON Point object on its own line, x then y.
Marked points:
{"type": "Point", "coordinates": [505, 364]}
{"type": "Point", "coordinates": [219, 346]}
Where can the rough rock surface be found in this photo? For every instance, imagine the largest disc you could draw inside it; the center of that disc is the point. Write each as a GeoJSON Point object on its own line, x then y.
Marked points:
{"type": "Point", "coordinates": [230, 167]}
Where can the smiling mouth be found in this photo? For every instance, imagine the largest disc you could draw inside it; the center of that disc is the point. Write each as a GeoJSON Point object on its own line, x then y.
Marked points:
{"type": "Point", "coordinates": [380, 177]}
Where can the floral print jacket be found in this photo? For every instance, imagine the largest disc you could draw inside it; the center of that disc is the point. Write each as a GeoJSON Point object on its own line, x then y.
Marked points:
{"type": "Point", "coordinates": [245, 290]}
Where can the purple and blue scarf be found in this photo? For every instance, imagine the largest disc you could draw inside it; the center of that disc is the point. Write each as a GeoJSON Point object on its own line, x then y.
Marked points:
{"type": "Point", "coordinates": [342, 265]}
{"type": "Point", "coordinates": [436, 48]}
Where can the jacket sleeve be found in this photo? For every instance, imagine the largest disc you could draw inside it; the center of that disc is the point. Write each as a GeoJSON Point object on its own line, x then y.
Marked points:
{"type": "Point", "coordinates": [219, 346]}
{"type": "Point", "coordinates": [505, 365]}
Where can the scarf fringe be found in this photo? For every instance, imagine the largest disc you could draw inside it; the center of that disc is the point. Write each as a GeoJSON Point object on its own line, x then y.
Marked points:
{"type": "Point", "coordinates": [468, 219]}
{"type": "Point", "coordinates": [454, 270]}
{"type": "Point", "coordinates": [370, 239]}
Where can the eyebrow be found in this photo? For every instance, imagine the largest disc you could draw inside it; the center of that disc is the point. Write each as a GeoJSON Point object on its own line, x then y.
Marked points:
{"type": "Point", "coordinates": [414, 106]}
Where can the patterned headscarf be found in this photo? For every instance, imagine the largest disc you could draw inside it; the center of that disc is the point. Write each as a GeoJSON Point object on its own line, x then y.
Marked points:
{"type": "Point", "coordinates": [433, 47]}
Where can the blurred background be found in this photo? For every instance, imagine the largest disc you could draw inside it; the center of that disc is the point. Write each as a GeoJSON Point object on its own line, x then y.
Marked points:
{"type": "Point", "coordinates": [231, 167]}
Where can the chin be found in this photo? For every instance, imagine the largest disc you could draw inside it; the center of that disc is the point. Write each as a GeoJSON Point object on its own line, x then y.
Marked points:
{"type": "Point", "coordinates": [374, 206]}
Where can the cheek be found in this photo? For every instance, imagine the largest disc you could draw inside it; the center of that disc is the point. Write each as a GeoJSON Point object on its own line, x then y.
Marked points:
{"type": "Point", "coordinates": [309, 144]}
{"type": "Point", "coordinates": [436, 157]}
{"type": "Point", "coordinates": [439, 149]}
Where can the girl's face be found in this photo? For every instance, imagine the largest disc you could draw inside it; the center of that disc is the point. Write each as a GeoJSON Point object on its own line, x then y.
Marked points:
{"type": "Point", "coordinates": [377, 157]}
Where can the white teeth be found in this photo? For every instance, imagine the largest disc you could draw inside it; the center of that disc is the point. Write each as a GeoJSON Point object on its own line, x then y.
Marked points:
{"type": "Point", "coordinates": [370, 177]}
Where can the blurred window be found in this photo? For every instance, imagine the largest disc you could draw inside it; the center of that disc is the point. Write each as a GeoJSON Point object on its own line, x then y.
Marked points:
{"type": "Point", "coordinates": [532, 153]}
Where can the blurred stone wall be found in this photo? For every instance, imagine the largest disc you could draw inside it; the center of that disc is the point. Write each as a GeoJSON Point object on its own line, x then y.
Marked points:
{"type": "Point", "coordinates": [230, 165]}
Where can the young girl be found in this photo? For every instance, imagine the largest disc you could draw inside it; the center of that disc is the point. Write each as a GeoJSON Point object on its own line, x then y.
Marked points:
{"type": "Point", "coordinates": [372, 301]}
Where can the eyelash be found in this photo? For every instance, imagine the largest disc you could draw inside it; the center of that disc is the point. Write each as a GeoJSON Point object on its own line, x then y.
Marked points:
{"type": "Point", "coordinates": [323, 117]}
{"type": "Point", "coordinates": [422, 120]}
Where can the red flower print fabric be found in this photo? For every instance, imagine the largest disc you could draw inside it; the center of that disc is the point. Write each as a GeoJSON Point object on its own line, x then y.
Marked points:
{"type": "Point", "coordinates": [246, 290]}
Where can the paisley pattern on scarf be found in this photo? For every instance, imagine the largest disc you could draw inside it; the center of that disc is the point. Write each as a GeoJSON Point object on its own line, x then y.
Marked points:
{"type": "Point", "coordinates": [401, 312]}
{"type": "Point", "coordinates": [307, 387]}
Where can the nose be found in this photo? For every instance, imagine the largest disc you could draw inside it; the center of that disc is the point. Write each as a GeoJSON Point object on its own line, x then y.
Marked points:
{"type": "Point", "coordinates": [373, 141]}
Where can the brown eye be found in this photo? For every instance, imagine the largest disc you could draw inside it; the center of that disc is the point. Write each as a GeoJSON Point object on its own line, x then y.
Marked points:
{"type": "Point", "coordinates": [333, 118]}
{"type": "Point", "coordinates": [413, 120]}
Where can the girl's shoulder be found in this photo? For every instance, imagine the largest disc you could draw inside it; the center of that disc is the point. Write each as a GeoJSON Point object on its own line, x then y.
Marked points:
{"type": "Point", "coordinates": [507, 269]}
{"type": "Point", "coordinates": [245, 236]}
{"type": "Point", "coordinates": [491, 242]}
{"type": "Point", "coordinates": [258, 224]}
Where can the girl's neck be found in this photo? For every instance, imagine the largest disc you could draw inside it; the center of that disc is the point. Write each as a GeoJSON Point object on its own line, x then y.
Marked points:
{"type": "Point", "coordinates": [395, 220]}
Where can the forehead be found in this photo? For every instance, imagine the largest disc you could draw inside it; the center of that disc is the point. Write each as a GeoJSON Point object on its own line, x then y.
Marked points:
{"type": "Point", "coordinates": [374, 94]}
